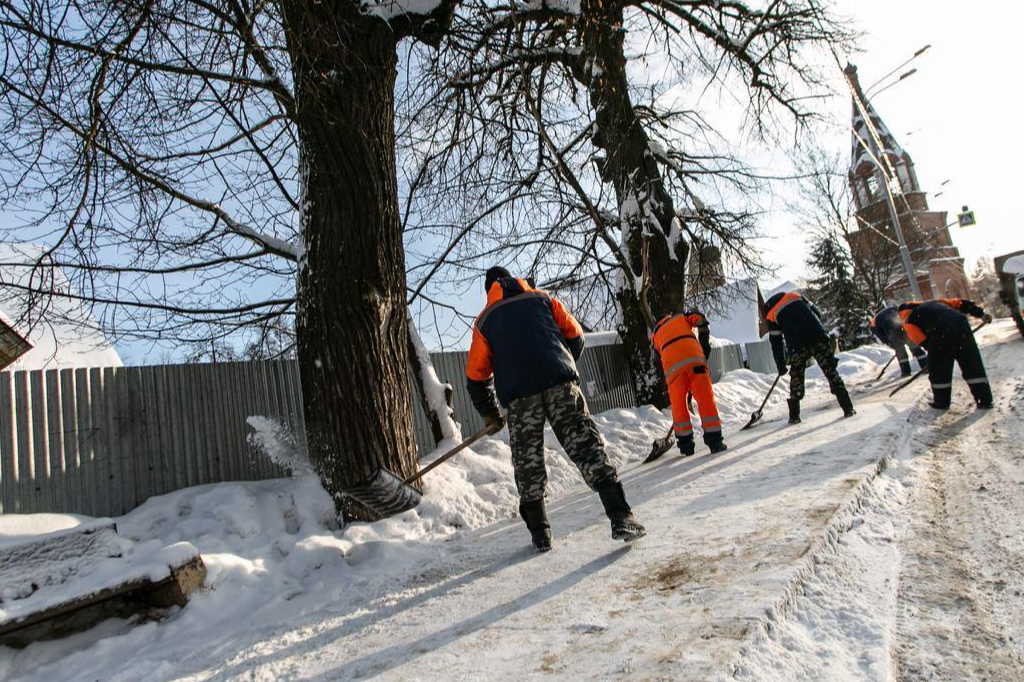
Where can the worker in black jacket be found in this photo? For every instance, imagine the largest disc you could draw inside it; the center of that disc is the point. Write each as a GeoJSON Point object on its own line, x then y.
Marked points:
{"type": "Point", "coordinates": [887, 326]}
{"type": "Point", "coordinates": [941, 327]}
{"type": "Point", "coordinates": [523, 354]}
{"type": "Point", "coordinates": [795, 321]}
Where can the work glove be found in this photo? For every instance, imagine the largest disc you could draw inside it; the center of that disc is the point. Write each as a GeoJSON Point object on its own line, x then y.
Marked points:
{"type": "Point", "coordinates": [494, 421]}
{"type": "Point", "coordinates": [987, 318]}
{"type": "Point", "coordinates": [783, 371]}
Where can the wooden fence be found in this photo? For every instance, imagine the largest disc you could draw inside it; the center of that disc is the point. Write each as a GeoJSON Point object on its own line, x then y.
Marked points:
{"type": "Point", "coordinates": [100, 441]}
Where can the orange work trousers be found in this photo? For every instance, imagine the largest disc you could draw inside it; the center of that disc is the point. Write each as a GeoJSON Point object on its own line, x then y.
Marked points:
{"type": "Point", "coordinates": [694, 379]}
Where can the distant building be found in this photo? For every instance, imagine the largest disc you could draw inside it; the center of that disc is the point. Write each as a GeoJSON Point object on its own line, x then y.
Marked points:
{"type": "Point", "coordinates": [938, 266]}
{"type": "Point", "coordinates": [55, 333]}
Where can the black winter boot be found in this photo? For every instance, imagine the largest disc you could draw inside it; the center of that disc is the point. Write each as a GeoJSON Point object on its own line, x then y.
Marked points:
{"type": "Point", "coordinates": [686, 445]}
{"type": "Point", "coordinates": [715, 442]}
{"type": "Point", "coordinates": [794, 410]}
{"type": "Point", "coordinates": [537, 522]}
{"type": "Point", "coordinates": [982, 395]}
{"type": "Point", "coordinates": [843, 398]}
{"type": "Point", "coordinates": [624, 526]}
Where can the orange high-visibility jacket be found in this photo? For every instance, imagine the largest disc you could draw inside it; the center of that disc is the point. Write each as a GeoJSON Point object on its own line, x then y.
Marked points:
{"type": "Point", "coordinates": [677, 342]}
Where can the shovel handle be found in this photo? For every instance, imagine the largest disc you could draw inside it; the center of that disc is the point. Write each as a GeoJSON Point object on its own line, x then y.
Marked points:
{"type": "Point", "coordinates": [485, 431]}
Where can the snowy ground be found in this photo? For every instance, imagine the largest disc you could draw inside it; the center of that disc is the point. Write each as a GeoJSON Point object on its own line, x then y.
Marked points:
{"type": "Point", "coordinates": [797, 554]}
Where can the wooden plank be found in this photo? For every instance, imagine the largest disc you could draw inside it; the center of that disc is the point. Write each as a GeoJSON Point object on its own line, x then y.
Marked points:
{"type": "Point", "coordinates": [149, 479]}
{"type": "Point", "coordinates": [86, 449]}
{"type": "Point", "coordinates": [61, 486]}
{"type": "Point", "coordinates": [41, 441]}
{"type": "Point", "coordinates": [10, 498]}
{"type": "Point", "coordinates": [119, 502]}
{"type": "Point", "coordinates": [160, 430]}
{"type": "Point", "coordinates": [130, 422]}
{"type": "Point", "coordinates": [69, 429]}
{"type": "Point", "coordinates": [101, 450]}
{"type": "Point", "coordinates": [23, 444]}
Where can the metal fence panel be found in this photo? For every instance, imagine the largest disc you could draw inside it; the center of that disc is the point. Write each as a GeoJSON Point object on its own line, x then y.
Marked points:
{"type": "Point", "coordinates": [101, 441]}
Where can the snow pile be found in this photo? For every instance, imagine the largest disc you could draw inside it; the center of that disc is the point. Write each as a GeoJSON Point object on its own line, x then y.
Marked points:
{"type": "Point", "coordinates": [275, 553]}
{"type": "Point", "coordinates": [29, 563]}
{"type": "Point", "coordinates": [16, 528]}
{"type": "Point", "coordinates": [147, 561]}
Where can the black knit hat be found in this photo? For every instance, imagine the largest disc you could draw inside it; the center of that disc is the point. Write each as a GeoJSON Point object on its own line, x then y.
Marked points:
{"type": "Point", "coordinates": [493, 275]}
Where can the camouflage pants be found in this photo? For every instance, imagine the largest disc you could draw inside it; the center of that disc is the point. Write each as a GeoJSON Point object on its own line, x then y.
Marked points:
{"type": "Point", "coordinates": [566, 409]}
{"type": "Point", "coordinates": [822, 352]}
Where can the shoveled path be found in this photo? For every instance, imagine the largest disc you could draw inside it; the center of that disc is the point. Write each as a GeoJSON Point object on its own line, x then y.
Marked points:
{"type": "Point", "coordinates": [730, 537]}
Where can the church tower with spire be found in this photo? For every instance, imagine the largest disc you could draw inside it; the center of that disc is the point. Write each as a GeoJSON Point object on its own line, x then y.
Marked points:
{"type": "Point", "coordinates": [938, 266]}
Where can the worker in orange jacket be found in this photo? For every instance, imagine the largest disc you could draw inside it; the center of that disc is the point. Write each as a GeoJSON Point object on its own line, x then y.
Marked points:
{"type": "Point", "coordinates": [941, 327]}
{"type": "Point", "coordinates": [683, 341]}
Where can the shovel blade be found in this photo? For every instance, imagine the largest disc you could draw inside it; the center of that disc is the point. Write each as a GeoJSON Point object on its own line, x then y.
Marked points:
{"type": "Point", "coordinates": [659, 448]}
{"type": "Point", "coordinates": [385, 493]}
{"type": "Point", "coordinates": [754, 417]}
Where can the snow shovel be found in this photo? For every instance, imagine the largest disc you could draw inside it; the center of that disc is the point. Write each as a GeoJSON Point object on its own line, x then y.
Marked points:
{"type": "Point", "coordinates": [387, 494]}
{"type": "Point", "coordinates": [663, 445]}
{"type": "Point", "coordinates": [755, 416]}
{"type": "Point", "coordinates": [922, 371]}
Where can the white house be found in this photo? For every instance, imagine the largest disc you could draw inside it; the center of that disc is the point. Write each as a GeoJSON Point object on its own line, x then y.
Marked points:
{"type": "Point", "coordinates": [61, 333]}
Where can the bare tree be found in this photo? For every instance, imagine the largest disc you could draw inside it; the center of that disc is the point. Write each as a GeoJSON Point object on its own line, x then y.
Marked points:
{"type": "Point", "coordinates": [544, 90]}
{"type": "Point", "coordinates": [209, 166]}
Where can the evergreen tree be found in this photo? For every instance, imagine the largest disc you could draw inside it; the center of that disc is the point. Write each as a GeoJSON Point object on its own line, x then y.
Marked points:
{"type": "Point", "coordinates": [844, 307]}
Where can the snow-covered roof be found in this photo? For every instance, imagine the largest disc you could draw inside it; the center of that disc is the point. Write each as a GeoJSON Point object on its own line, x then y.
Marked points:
{"type": "Point", "coordinates": [861, 136]}
{"type": "Point", "coordinates": [66, 335]}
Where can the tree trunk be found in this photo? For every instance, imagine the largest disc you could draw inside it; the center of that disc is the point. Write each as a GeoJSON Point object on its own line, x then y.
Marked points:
{"type": "Point", "coordinates": [351, 327]}
{"type": "Point", "coordinates": [645, 206]}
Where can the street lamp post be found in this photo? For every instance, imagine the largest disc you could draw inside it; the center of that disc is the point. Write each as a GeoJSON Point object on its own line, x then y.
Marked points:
{"type": "Point", "coordinates": [878, 157]}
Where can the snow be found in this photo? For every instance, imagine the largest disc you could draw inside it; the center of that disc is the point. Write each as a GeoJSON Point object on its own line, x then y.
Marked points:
{"type": "Point", "coordinates": [389, 9]}
{"type": "Point", "coordinates": [435, 390]}
{"type": "Point", "coordinates": [67, 336]}
{"type": "Point", "coordinates": [605, 338]}
{"type": "Point", "coordinates": [92, 576]}
{"type": "Point", "coordinates": [776, 560]}
{"type": "Point", "coordinates": [17, 527]}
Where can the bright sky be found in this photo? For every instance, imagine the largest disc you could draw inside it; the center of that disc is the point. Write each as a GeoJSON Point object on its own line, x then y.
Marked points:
{"type": "Point", "coordinates": [959, 116]}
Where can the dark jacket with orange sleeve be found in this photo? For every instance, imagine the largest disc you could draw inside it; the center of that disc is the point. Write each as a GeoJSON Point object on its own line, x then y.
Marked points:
{"type": "Point", "coordinates": [792, 317]}
{"type": "Point", "coordinates": [938, 318]}
{"type": "Point", "coordinates": [524, 342]}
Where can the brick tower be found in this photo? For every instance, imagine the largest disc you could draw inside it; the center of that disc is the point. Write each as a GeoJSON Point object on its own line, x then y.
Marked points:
{"type": "Point", "coordinates": [937, 263]}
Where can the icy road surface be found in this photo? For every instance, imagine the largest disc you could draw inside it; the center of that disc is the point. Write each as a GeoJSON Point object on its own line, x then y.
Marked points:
{"type": "Point", "coordinates": [885, 546]}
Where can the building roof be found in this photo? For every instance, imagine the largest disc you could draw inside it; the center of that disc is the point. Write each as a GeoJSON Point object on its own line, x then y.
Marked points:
{"type": "Point", "coordinates": [861, 140]}
{"type": "Point", "coordinates": [61, 333]}
{"type": "Point", "coordinates": [12, 344]}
